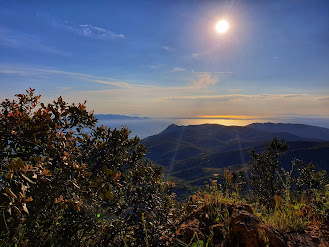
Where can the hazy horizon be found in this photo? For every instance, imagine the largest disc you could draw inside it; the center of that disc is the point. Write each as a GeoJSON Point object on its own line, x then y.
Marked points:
{"type": "Point", "coordinates": [147, 127]}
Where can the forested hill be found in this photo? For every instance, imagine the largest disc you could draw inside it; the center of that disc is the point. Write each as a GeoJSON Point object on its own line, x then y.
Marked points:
{"type": "Point", "coordinates": [193, 153]}
{"type": "Point", "coordinates": [185, 141]}
{"type": "Point", "coordinates": [302, 130]}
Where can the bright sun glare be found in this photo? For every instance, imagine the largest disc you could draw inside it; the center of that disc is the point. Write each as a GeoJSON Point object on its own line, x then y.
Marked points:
{"type": "Point", "coordinates": [222, 26]}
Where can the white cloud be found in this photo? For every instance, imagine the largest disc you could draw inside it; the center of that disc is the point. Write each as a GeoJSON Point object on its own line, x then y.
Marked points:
{"type": "Point", "coordinates": [193, 99]}
{"type": "Point", "coordinates": [240, 97]}
{"type": "Point", "coordinates": [89, 31]}
{"type": "Point", "coordinates": [31, 71]}
{"type": "Point", "coordinates": [98, 33]}
{"type": "Point", "coordinates": [177, 69]}
{"type": "Point", "coordinates": [204, 80]}
{"type": "Point", "coordinates": [117, 84]}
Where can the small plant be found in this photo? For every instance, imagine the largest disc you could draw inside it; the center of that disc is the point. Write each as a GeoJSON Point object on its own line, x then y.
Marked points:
{"type": "Point", "coordinates": [264, 179]}
{"type": "Point", "coordinates": [286, 180]}
{"type": "Point", "coordinates": [286, 216]}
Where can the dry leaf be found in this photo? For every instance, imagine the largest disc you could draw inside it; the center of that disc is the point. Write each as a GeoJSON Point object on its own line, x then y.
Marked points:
{"type": "Point", "coordinates": [25, 208]}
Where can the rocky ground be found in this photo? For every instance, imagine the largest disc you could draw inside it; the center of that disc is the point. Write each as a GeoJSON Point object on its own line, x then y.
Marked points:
{"type": "Point", "coordinates": [245, 229]}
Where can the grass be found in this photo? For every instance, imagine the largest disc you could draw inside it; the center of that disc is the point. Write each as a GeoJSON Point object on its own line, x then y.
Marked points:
{"type": "Point", "coordinates": [214, 207]}
{"type": "Point", "coordinates": [286, 216]}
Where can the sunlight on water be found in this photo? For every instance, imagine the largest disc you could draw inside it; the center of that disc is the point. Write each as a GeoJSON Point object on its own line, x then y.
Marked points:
{"type": "Point", "coordinates": [227, 122]}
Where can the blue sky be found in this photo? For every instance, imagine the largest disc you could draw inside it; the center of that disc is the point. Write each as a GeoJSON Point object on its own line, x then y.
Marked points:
{"type": "Point", "coordinates": [165, 59]}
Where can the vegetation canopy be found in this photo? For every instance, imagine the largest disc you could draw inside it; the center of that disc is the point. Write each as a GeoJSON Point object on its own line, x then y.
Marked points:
{"type": "Point", "coordinates": [64, 181]}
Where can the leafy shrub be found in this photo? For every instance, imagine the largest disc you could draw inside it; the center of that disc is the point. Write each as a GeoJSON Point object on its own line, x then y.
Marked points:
{"type": "Point", "coordinates": [66, 182]}
{"type": "Point", "coordinates": [264, 178]}
{"type": "Point", "coordinates": [308, 178]}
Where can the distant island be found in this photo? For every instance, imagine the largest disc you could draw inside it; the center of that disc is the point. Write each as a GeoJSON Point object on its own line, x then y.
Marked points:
{"type": "Point", "coordinates": [118, 117]}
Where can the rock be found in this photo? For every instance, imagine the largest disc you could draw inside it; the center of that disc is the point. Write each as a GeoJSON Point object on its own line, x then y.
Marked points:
{"type": "Point", "coordinates": [312, 237]}
{"type": "Point", "coordinates": [245, 207]}
{"type": "Point", "coordinates": [247, 230]}
{"type": "Point", "coordinates": [188, 229]}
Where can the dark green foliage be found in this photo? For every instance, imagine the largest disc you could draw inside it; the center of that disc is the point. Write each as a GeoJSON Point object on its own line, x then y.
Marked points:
{"type": "Point", "coordinates": [264, 177]}
{"type": "Point", "coordinates": [65, 182]}
{"type": "Point", "coordinates": [302, 130]}
{"type": "Point", "coordinates": [308, 177]}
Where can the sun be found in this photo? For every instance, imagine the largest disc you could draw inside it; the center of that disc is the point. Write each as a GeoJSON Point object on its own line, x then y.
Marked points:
{"type": "Point", "coordinates": [222, 26]}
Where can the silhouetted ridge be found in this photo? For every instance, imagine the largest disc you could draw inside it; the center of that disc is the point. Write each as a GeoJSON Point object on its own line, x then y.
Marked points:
{"type": "Point", "coordinates": [302, 130]}
{"type": "Point", "coordinates": [193, 153]}
{"type": "Point", "coordinates": [171, 127]}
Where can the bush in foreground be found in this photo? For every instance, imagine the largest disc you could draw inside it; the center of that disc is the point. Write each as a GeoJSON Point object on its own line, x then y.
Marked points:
{"type": "Point", "coordinates": [64, 181]}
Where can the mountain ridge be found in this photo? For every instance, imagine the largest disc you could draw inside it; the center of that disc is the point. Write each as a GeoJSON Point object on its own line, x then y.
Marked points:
{"type": "Point", "coordinates": [193, 153]}
{"type": "Point", "coordinates": [302, 130]}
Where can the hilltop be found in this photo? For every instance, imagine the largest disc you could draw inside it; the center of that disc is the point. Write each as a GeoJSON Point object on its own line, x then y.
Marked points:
{"type": "Point", "coordinates": [193, 153]}
{"type": "Point", "coordinates": [302, 130]}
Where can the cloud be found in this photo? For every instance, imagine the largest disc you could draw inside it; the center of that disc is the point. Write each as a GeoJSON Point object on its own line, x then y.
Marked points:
{"type": "Point", "coordinates": [31, 71]}
{"type": "Point", "coordinates": [20, 40]}
{"type": "Point", "coordinates": [4, 70]}
{"type": "Point", "coordinates": [153, 67]}
{"type": "Point", "coordinates": [215, 72]}
{"type": "Point", "coordinates": [158, 100]}
{"type": "Point", "coordinates": [204, 80]}
{"type": "Point", "coordinates": [166, 48]}
{"type": "Point", "coordinates": [117, 84]}
{"type": "Point", "coordinates": [201, 54]}
{"type": "Point", "coordinates": [196, 55]}
{"type": "Point", "coordinates": [98, 33]}
{"type": "Point", "coordinates": [240, 97]}
{"type": "Point", "coordinates": [324, 98]}
{"type": "Point", "coordinates": [35, 72]}
{"type": "Point", "coordinates": [235, 90]}
{"type": "Point", "coordinates": [177, 69]}
{"type": "Point", "coordinates": [88, 30]}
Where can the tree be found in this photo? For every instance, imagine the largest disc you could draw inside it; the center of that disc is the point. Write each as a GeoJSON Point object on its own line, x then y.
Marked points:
{"type": "Point", "coordinates": [64, 181]}
{"type": "Point", "coordinates": [264, 177]}
{"type": "Point", "coordinates": [308, 178]}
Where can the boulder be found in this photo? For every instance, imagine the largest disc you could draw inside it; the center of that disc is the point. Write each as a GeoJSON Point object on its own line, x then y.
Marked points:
{"type": "Point", "coordinates": [247, 230]}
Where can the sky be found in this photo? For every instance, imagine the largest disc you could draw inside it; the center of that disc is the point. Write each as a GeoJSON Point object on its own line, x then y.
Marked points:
{"type": "Point", "coordinates": [165, 59]}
